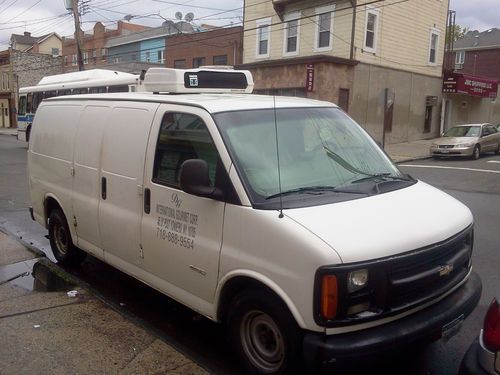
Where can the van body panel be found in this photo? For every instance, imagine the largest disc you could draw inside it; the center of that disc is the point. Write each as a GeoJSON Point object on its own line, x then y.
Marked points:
{"type": "Point", "coordinates": [181, 226]}
{"type": "Point", "coordinates": [86, 186]}
{"type": "Point", "coordinates": [274, 247]}
{"type": "Point", "coordinates": [123, 169]}
{"type": "Point", "coordinates": [386, 224]}
{"type": "Point", "coordinates": [51, 158]}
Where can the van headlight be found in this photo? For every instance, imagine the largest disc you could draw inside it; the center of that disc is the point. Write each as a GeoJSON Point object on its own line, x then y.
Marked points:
{"type": "Point", "coordinates": [357, 280]}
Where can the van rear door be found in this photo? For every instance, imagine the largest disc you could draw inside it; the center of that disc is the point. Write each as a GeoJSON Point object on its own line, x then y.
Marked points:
{"type": "Point", "coordinates": [181, 233]}
{"type": "Point", "coordinates": [122, 169]}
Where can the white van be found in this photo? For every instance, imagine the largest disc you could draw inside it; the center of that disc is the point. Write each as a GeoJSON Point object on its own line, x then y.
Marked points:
{"type": "Point", "coordinates": [278, 216]}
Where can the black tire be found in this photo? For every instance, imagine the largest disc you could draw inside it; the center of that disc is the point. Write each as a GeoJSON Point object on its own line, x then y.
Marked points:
{"type": "Point", "coordinates": [62, 246]}
{"type": "Point", "coordinates": [476, 153]}
{"type": "Point", "coordinates": [28, 134]}
{"type": "Point", "coordinates": [264, 334]}
{"type": "Point", "coordinates": [497, 151]}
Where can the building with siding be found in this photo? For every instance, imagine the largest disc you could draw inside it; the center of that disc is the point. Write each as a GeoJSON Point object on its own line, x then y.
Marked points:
{"type": "Point", "coordinates": [140, 50]}
{"type": "Point", "coordinates": [49, 44]}
{"type": "Point", "coordinates": [475, 60]}
{"type": "Point", "coordinates": [213, 46]}
{"type": "Point", "coordinates": [381, 62]}
{"type": "Point", "coordinates": [94, 50]}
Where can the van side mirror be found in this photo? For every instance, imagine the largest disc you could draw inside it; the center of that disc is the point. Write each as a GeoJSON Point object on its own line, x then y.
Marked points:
{"type": "Point", "coordinates": [194, 179]}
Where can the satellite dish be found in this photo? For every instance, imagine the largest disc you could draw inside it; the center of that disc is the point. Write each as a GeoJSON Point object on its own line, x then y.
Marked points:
{"type": "Point", "coordinates": [189, 17]}
{"type": "Point", "coordinates": [178, 15]}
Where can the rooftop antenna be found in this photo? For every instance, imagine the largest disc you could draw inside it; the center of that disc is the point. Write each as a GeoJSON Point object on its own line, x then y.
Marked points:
{"type": "Point", "coordinates": [278, 157]}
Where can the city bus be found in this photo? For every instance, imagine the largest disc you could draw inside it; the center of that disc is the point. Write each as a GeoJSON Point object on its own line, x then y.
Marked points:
{"type": "Point", "coordinates": [81, 82]}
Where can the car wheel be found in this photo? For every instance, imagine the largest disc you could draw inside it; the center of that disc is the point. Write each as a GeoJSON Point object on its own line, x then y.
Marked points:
{"type": "Point", "coordinates": [60, 240]}
{"type": "Point", "coordinates": [497, 151]}
{"type": "Point", "coordinates": [265, 336]}
{"type": "Point", "coordinates": [28, 134]}
{"type": "Point", "coordinates": [476, 154]}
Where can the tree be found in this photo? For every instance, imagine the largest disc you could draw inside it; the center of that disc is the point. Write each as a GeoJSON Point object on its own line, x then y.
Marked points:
{"type": "Point", "coordinates": [457, 31]}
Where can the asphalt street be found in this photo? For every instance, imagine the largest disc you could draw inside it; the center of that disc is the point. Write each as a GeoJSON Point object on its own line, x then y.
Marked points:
{"type": "Point", "coordinates": [475, 183]}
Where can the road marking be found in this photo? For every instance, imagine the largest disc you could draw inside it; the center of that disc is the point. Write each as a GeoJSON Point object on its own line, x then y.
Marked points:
{"type": "Point", "coordinates": [441, 167]}
{"type": "Point", "coordinates": [494, 161]}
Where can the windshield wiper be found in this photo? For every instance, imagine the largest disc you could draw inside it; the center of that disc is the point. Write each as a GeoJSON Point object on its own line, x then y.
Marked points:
{"type": "Point", "coordinates": [314, 190]}
{"type": "Point", "coordinates": [385, 176]}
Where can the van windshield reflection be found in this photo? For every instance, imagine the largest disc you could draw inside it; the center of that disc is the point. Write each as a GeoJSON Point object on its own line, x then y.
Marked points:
{"type": "Point", "coordinates": [317, 147]}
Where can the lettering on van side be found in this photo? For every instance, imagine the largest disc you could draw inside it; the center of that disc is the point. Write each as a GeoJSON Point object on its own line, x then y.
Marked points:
{"type": "Point", "coordinates": [176, 226]}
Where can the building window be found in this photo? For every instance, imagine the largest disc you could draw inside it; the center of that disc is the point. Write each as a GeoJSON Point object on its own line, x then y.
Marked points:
{"type": "Point", "coordinates": [220, 60]}
{"type": "Point", "coordinates": [198, 61]}
{"type": "Point", "coordinates": [65, 60]}
{"type": "Point", "coordinates": [74, 60]}
{"type": "Point", "coordinates": [161, 56]}
{"type": "Point", "coordinates": [291, 40]}
{"type": "Point", "coordinates": [263, 37]}
{"type": "Point", "coordinates": [324, 27]}
{"type": "Point", "coordinates": [103, 53]}
{"type": "Point", "coordinates": [85, 57]}
{"type": "Point", "coordinates": [371, 29]}
{"type": "Point", "coordinates": [433, 47]}
{"type": "Point", "coordinates": [459, 59]}
{"type": "Point", "coordinates": [180, 64]}
{"type": "Point", "coordinates": [55, 52]}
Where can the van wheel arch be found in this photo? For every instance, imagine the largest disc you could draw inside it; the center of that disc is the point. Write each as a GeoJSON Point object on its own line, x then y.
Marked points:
{"type": "Point", "coordinates": [51, 204]}
{"type": "Point", "coordinates": [236, 286]}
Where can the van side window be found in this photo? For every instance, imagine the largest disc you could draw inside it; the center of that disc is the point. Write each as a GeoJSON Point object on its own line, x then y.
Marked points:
{"type": "Point", "coordinates": [181, 137]}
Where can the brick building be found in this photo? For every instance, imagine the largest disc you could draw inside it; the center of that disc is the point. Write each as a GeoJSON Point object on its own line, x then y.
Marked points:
{"type": "Point", "coordinates": [94, 51]}
{"type": "Point", "coordinates": [21, 69]}
{"type": "Point", "coordinates": [470, 85]}
{"type": "Point", "coordinates": [219, 46]}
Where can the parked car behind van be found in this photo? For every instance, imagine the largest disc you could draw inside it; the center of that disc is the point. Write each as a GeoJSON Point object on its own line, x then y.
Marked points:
{"type": "Point", "coordinates": [279, 217]}
{"type": "Point", "coordinates": [469, 140]}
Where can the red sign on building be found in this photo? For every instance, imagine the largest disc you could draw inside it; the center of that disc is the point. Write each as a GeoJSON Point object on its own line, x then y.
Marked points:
{"type": "Point", "coordinates": [457, 83]}
{"type": "Point", "coordinates": [310, 78]}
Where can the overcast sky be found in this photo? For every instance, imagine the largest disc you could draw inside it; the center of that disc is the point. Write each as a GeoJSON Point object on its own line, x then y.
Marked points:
{"type": "Point", "coordinates": [41, 17]}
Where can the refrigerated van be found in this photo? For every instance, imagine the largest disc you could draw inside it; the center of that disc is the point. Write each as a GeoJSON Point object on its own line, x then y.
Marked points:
{"type": "Point", "coordinates": [277, 216]}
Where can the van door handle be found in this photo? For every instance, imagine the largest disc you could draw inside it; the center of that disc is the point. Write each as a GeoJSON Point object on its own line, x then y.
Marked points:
{"type": "Point", "coordinates": [103, 187]}
{"type": "Point", "coordinates": [147, 200]}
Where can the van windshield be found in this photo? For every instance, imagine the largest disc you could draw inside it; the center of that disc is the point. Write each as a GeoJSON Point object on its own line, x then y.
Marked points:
{"type": "Point", "coordinates": [322, 151]}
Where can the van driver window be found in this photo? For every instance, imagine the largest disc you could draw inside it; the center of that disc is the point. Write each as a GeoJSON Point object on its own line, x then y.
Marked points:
{"type": "Point", "coordinates": [182, 137]}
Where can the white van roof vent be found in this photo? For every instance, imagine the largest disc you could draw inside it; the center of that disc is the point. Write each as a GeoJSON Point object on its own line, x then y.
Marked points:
{"type": "Point", "coordinates": [177, 81]}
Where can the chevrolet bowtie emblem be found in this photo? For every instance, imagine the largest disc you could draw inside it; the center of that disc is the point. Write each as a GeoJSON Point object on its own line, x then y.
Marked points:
{"type": "Point", "coordinates": [445, 270]}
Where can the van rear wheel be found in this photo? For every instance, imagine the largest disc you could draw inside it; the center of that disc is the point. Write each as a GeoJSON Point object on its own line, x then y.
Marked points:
{"type": "Point", "coordinates": [60, 240]}
{"type": "Point", "coordinates": [264, 334]}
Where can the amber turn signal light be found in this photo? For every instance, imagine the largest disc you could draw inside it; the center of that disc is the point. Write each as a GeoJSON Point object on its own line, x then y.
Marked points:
{"type": "Point", "coordinates": [329, 296]}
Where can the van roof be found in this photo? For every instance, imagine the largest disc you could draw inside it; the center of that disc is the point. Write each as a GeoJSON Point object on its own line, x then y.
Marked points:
{"type": "Point", "coordinates": [212, 103]}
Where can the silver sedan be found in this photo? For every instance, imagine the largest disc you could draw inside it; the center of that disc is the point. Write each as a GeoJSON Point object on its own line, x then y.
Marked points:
{"type": "Point", "coordinates": [467, 140]}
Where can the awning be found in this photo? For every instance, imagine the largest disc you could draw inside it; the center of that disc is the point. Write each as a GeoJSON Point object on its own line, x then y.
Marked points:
{"type": "Point", "coordinates": [458, 83]}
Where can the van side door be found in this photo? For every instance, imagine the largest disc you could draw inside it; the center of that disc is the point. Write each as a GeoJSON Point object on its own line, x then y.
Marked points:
{"type": "Point", "coordinates": [122, 169]}
{"type": "Point", "coordinates": [181, 233]}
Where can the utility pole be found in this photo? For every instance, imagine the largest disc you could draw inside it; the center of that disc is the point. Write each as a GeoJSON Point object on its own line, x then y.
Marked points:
{"type": "Point", "coordinates": [78, 33]}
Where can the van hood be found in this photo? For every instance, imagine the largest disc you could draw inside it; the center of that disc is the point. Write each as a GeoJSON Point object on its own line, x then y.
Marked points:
{"type": "Point", "coordinates": [386, 224]}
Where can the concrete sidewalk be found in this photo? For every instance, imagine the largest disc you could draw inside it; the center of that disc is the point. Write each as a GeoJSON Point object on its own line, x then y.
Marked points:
{"type": "Point", "coordinates": [43, 330]}
{"type": "Point", "coordinates": [407, 151]}
{"type": "Point", "coordinates": [8, 131]}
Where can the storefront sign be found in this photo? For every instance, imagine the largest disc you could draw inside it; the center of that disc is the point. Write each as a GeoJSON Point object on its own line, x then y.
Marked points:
{"type": "Point", "coordinates": [310, 78]}
{"type": "Point", "coordinates": [455, 83]}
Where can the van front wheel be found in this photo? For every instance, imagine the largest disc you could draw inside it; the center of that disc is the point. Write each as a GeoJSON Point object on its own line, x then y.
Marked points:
{"type": "Point", "coordinates": [264, 334]}
{"type": "Point", "coordinates": [60, 240]}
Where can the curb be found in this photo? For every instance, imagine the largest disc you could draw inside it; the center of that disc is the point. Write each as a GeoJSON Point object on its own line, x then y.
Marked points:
{"type": "Point", "coordinates": [67, 276]}
{"type": "Point", "coordinates": [406, 160]}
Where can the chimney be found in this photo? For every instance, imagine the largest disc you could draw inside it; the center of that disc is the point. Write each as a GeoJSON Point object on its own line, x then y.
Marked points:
{"type": "Point", "coordinates": [27, 33]}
